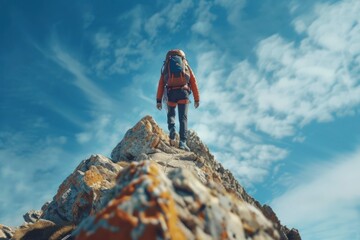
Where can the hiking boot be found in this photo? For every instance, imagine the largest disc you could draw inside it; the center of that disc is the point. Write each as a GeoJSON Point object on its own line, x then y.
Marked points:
{"type": "Point", "coordinates": [183, 146]}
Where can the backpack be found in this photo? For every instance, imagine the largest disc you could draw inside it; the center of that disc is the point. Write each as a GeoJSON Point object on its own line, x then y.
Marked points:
{"type": "Point", "coordinates": [175, 69]}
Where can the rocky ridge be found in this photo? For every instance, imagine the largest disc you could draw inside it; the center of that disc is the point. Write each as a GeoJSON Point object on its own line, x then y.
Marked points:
{"type": "Point", "coordinates": [150, 190]}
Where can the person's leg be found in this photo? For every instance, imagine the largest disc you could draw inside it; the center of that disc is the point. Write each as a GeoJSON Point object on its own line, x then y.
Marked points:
{"type": "Point", "coordinates": [171, 122]}
{"type": "Point", "coordinates": [183, 110]}
{"type": "Point", "coordinates": [171, 105]}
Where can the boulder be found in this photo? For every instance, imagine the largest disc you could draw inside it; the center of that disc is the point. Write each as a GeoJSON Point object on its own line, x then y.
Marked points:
{"type": "Point", "coordinates": [6, 232]}
{"type": "Point", "coordinates": [43, 230]}
{"type": "Point", "coordinates": [32, 216]}
{"type": "Point", "coordinates": [144, 138]}
{"type": "Point", "coordinates": [146, 203]}
{"type": "Point", "coordinates": [80, 194]}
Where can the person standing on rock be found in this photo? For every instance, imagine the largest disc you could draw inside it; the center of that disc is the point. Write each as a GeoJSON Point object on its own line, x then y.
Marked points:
{"type": "Point", "coordinates": [176, 83]}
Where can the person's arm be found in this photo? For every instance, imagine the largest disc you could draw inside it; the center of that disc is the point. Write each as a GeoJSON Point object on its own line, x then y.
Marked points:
{"type": "Point", "coordinates": [194, 89]}
{"type": "Point", "coordinates": [160, 92]}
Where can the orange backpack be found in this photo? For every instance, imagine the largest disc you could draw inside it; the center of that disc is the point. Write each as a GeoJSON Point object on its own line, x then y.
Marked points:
{"type": "Point", "coordinates": [175, 69]}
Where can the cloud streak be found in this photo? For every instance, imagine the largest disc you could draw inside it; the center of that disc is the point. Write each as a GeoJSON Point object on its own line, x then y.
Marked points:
{"type": "Point", "coordinates": [325, 197]}
{"type": "Point", "coordinates": [94, 94]}
{"type": "Point", "coordinates": [26, 161]}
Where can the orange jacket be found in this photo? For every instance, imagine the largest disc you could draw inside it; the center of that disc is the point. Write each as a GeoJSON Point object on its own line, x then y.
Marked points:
{"type": "Point", "coordinates": [193, 87]}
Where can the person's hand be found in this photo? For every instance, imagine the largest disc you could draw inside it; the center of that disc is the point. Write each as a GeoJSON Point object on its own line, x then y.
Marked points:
{"type": "Point", "coordinates": [159, 106]}
{"type": "Point", "coordinates": [196, 104]}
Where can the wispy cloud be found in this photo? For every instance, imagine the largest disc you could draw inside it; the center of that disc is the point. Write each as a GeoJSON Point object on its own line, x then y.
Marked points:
{"type": "Point", "coordinates": [291, 85]}
{"type": "Point", "coordinates": [103, 129]}
{"type": "Point", "coordinates": [102, 133]}
{"type": "Point", "coordinates": [102, 40]}
{"type": "Point", "coordinates": [326, 196]}
{"type": "Point", "coordinates": [204, 19]}
{"type": "Point", "coordinates": [169, 17]}
{"type": "Point", "coordinates": [28, 164]}
{"type": "Point", "coordinates": [233, 8]}
{"type": "Point", "coordinates": [93, 93]}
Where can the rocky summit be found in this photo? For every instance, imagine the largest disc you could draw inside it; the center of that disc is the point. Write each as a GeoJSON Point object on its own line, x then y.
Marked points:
{"type": "Point", "coordinates": [151, 190]}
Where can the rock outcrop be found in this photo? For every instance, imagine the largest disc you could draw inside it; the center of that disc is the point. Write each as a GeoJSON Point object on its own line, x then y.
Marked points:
{"type": "Point", "coordinates": [151, 190]}
{"type": "Point", "coordinates": [6, 232]}
{"type": "Point", "coordinates": [32, 216]}
{"type": "Point", "coordinates": [148, 204]}
{"type": "Point", "coordinates": [81, 193]}
{"type": "Point", "coordinates": [43, 230]}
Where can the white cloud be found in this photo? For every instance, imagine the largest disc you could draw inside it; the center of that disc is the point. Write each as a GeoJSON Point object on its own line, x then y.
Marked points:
{"type": "Point", "coordinates": [291, 85]}
{"type": "Point", "coordinates": [171, 16]}
{"type": "Point", "coordinates": [144, 33]}
{"type": "Point", "coordinates": [83, 137]}
{"type": "Point", "coordinates": [252, 162]}
{"type": "Point", "coordinates": [176, 13]}
{"type": "Point", "coordinates": [88, 19]}
{"type": "Point", "coordinates": [201, 27]}
{"type": "Point", "coordinates": [233, 8]}
{"type": "Point", "coordinates": [102, 133]}
{"type": "Point", "coordinates": [206, 134]}
{"type": "Point", "coordinates": [27, 169]}
{"type": "Point", "coordinates": [327, 196]}
{"type": "Point", "coordinates": [154, 22]}
{"type": "Point", "coordinates": [204, 18]}
{"type": "Point", "coordinates": [337, 26]}
{"type": "Point", "coordinates": [311, 80]}
{"type": "Point", "coordinates": [102, 40]}
{"type": "Point", "coordinates": [299, 139]}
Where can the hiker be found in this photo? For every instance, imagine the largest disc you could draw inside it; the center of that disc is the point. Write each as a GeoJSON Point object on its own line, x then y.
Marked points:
{"type": "Point", "coordinates": [177, 80]}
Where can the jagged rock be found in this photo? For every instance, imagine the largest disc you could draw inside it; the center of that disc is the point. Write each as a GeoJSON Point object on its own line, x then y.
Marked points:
{"type": "Point", "coordinates": [145, 203]}
{"type": "Point", "coordinates": [270, 214]}
{"type": "Point", "coordinates": [293, 234]}
{"type": "Point", "coordinates": [169, 158]}
{"type": "Point", "coordinates": [6, 232]}
{"type": "Point", "coordinates": [80, 194]}
{"type": "Point", "coordinates": [285, 233]}
{"type": "Point", "coordinates": [151, 189]}
{"type": "Point", "coordinates": [143, 138]}
{"type": "Point", "coordinates": [137, 145]}
{"type": "Point", "coordinates": [147, 140]}
{"type": "Point", "coordinates": [42, 230]}
{"type": "Point", "coordinates": [32, 216]}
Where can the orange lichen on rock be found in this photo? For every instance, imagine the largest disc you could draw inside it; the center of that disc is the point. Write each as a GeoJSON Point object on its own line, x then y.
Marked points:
{"type": "Point", "coordinates": [145, 136]}
{"type": "Point", "coordinates": [118, 225]}
{"type": "Point", "coordinates": [92, 177]}
{"type": "Point", "coordinates": [153, 218]}
{"type": "Point", "coordinates": [224, 233]}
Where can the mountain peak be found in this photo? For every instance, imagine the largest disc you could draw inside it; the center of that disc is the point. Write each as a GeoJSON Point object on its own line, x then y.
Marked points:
{"type": "Point", "coordinates": [151, 190]}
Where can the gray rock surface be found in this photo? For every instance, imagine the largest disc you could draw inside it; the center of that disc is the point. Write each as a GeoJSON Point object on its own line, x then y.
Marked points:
{"type": "Point", "coordinates": [32, 216]}
{"type": "Point", "coordinates": [152, 189]}
{"type": "Point", "coordinates": [176, 205]}
{"type": "Point", "coordinates": [146, 140]}
{"type": "Point", "coordinates": [42, 230]}
{"type": "Point", "coordinates": [6, 232]}
{"type": "Point", "coordinates": [80, 194]}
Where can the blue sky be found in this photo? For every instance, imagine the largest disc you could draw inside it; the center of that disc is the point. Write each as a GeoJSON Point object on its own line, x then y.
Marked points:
{"type": "Point", "coordinates": [279, 85]}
